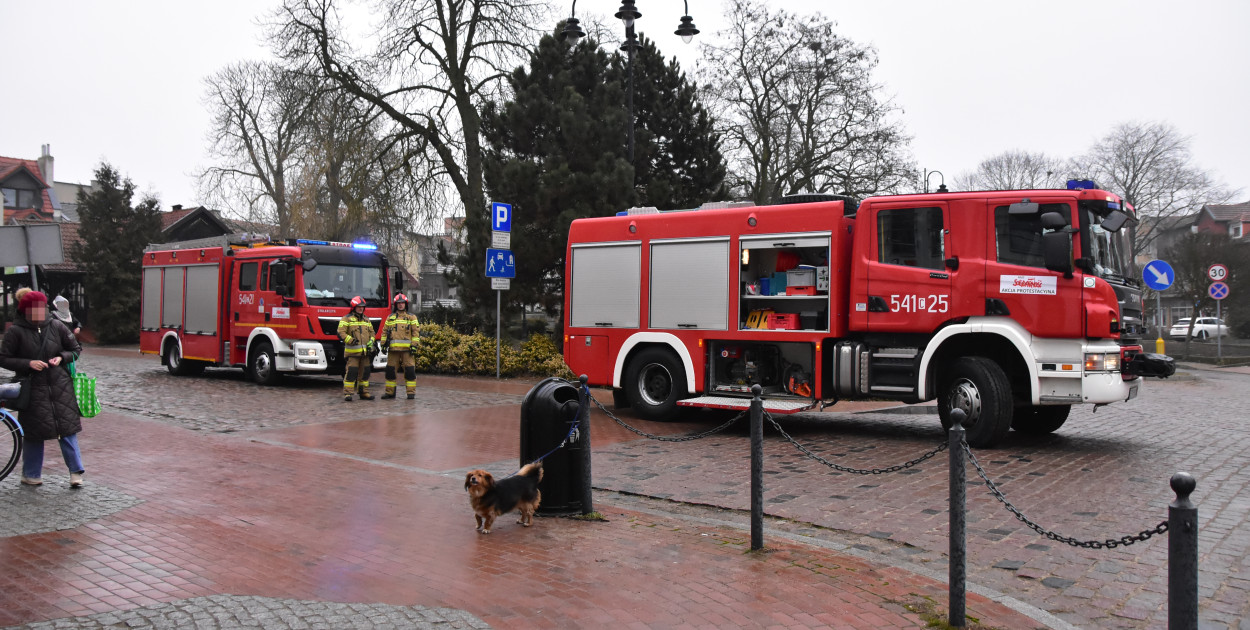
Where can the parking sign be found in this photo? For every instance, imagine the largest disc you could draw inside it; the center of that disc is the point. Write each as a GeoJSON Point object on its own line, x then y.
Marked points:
{"type": "Point", "coordinates": [501, 217]}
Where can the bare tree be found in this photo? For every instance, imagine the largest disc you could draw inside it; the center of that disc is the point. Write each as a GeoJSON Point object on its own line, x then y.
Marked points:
{"type": "Point", "coordinates": [1015, 170]}
{"type": "Point", "coordinates": [260, 115]}
{"type": "Point", "coordinates": [1150, 165]}
{"type": "Point", "coordinates": [798, 108]}
{"type": "Point", "coordinates": [436, 63]}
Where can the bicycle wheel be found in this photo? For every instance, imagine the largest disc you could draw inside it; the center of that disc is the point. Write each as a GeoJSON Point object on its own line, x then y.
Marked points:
{"type": "Point", "coordinates": [10, 443]}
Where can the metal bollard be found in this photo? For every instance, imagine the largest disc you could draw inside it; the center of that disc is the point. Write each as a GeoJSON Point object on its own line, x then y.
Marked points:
{"type": "Point", "coordinates": [757, 469]}
{"type": "Point", "coordinates": [583, 429]}
{"type": "Point", "coordinates": [1182, 555]}
{"type": "Point", "coordinates": [958, 570]}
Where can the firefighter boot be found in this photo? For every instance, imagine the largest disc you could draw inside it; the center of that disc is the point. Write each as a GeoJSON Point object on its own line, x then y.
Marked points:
{"type": "Point", "coordinates": [365, 395]}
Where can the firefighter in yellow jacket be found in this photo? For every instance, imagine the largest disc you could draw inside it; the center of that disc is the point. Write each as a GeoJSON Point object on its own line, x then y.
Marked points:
{"type": "Point", "coordinates": [357, 335]}
{"type": "Point", "coordinates": [399, 333]}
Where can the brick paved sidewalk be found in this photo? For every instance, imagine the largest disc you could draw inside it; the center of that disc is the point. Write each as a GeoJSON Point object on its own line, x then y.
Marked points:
{"type": "Point", "coordinates": [372, 512]}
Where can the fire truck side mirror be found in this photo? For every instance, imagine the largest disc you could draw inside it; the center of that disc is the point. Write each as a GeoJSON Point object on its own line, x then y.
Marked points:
{"type": "Point", "coordinates": [1114, 221]}
{"type": "Point", "coordinates": [398, 281]}
{"type": "Point", "coordinates": [1057, 244]}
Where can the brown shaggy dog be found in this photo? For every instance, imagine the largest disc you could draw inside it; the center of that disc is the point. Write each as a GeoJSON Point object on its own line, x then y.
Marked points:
{"type": "Point", "coordinates": [491, 498]}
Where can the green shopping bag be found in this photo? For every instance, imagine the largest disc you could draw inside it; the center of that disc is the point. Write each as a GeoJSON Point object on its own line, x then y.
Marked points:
{"type": "Point", "coordinates": [84, 391]}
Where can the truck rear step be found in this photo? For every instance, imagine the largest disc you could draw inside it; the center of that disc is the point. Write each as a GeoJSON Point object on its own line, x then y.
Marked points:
{"type": "Point", "coordinates": [729, 402]}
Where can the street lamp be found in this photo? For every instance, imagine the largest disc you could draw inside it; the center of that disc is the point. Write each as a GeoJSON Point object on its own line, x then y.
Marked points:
{"type": "Point", "coordinates": [628, 13]}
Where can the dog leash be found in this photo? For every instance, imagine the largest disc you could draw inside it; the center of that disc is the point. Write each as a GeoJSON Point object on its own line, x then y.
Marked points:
{"type": "Point", "coordinates": [563, 443]}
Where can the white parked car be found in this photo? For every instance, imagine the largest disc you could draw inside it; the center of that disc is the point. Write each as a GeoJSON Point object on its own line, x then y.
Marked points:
{"type": "Point", "coordinates": [1205, 328]}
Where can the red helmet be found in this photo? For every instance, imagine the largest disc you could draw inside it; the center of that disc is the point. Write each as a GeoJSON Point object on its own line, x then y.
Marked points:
{"type": "Point", "coordinates": [400, 297]}
{"type": "Point", "coordinates": [358, 301]}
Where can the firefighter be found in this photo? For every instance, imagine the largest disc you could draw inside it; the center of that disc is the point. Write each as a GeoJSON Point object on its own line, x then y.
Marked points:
{"type": "Point", "coordinates": [357, 335]}
{"type": "Point", "coordinates": [398, 334]}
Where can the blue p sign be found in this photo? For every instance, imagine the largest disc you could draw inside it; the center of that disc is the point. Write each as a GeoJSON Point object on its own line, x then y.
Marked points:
{"type": "Point", "coordinates": [501, 217]}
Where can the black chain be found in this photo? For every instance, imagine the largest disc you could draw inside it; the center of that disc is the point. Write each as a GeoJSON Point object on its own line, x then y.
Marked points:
{"type": "Point", "coordinates": [664, 438]}
{"type": "Point", "coordinates": [856, 471]}
{"type": "Point", "coordinates": [1110, 543]}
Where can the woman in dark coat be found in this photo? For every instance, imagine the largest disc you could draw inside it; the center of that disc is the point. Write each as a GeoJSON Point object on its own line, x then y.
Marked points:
{"type": "Point", "coordinates": [41, 347]}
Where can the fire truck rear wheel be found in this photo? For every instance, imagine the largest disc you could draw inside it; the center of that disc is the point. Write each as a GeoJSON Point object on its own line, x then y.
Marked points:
{"type": "Point", "coordinates": [1040, 420]}
{"type": "Point", "coordinates": [179, 366]}
{"type": "Point", "coordinates": [261, 364]}
{"type": "Point", "coordinates": [980, 387]}
{"type": "Point", "coordinates": [655, 381]}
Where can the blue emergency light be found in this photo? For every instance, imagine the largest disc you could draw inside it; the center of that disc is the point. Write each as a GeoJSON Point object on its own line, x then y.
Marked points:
{"type": "Point", "coordinates": [304, 241]}
{"type": "Point", "coordinates": [368, 246]}
{"type": "Point", "coordinates": [1082, 184]}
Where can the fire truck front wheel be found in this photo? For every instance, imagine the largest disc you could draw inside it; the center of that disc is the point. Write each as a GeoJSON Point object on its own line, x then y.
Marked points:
{"type": "Point", "coordinates": [654, 382]}
{"type": "Point", "coordinates": [261, 364]}
{"type": "Point", "coordinates": [979, 387]}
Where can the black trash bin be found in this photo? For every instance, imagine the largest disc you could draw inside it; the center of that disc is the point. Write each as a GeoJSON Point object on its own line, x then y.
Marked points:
{"type": "Point", "coordinates": [548, 412]}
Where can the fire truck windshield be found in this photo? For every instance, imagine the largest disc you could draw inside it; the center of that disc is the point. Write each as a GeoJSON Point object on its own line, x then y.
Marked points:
{"type": "Point", "coordinates": [336, 285]}
{"type": "Point", "coordinates": [1110, 251]}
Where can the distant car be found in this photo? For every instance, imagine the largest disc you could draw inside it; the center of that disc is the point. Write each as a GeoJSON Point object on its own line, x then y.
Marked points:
{"type": "Point", "coordinates": [1205, 328]}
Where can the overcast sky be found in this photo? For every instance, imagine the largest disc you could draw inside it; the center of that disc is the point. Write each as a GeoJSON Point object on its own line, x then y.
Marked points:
{"type": "Point", "coordinates": [123, 81]}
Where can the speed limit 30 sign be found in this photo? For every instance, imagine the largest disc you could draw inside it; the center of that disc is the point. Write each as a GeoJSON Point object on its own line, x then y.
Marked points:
{"type": "Point", "coordinates": [1217, 272]}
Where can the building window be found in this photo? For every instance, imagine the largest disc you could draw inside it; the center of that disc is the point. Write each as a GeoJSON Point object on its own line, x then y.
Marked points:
{"type": "Point", "coordinates": [20, 198]}
{"type": "Point", "coordinates": [1234, 230]}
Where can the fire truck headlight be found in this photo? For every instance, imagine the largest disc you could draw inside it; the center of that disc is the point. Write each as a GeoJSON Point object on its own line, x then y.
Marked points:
{"type": "Point", "coordinates": [306, 352]}
{"type": "Point", "coordinates": [1102, 362]}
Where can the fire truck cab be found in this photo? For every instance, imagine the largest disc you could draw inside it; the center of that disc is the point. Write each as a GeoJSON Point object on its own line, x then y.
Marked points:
{"type": "Point", "coordinates": [1011, 305]}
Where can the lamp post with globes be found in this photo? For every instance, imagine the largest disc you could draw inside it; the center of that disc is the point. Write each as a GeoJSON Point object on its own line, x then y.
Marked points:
{"type": "Point", "coordinates": [628, 13]}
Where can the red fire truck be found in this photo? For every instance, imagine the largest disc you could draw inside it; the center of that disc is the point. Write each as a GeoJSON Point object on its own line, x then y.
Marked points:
{"type": "Point", "coordinates": [1010, 305]}
{"type": "Point", "coordinates": [267, 307]}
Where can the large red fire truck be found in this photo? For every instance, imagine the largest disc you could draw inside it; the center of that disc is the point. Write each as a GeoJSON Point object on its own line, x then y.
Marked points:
{"type": "Point", "coordinates": [1010, 305]}
{"type": "Point", "coordinates": [269, 307]}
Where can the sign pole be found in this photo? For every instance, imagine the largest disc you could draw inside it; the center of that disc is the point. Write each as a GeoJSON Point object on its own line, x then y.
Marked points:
{"type": "Point", "coordinates": [498, 298]}
{"type": "Point", "coordinates": [1219, 345]}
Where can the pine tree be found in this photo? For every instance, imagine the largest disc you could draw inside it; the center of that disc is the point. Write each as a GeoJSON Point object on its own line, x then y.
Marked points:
{"type": "Point", "coordinates": [555, 152]}
{"type": "Point", "coordinates": [677, 158]}
{"type": "Point", "coordinates": [113, 234]}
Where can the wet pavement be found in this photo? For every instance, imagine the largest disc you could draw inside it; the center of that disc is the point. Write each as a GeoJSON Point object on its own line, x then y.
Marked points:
{"type": "Point", "coordinates": [217, 503]}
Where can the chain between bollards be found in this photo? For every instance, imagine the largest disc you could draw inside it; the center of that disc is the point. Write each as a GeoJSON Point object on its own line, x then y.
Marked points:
{"type": "Point", "coordinates": [958, 570]}
{"type": "Point", "coordinates": [757, 469]}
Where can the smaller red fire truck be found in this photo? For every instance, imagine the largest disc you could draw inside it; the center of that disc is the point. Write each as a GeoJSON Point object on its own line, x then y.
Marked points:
{"type": "Point", "coordinates": [1010, 305]}
{"type": "Point", "coordinates": [268, 307]}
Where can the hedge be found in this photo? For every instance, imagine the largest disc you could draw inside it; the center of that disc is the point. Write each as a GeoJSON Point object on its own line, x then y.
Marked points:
{"type": "Point", "coordinates": [442, 350]}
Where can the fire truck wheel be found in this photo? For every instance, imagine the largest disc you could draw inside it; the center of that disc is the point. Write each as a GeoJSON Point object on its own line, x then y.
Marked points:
{"type": "Point", "coordinates": [654, 382]}
{"type": "Point", "coordinates": [1040, 420]}
{"type": "Point", "coordinates": [979, 387]}
{"type": "Point", "coordinates": [261, 364]}
{"type": "Point", "coordinates": [177, 366]}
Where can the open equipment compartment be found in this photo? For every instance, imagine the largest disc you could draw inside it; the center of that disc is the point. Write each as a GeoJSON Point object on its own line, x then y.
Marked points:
{"type": "Point", "coordinates": [778, 368]}
{"type": "Point", "coordinates": [784, 280]}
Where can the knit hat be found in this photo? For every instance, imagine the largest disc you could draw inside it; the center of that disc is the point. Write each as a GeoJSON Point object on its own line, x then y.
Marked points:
{"type": "Point", "coordinates": [31, 300]}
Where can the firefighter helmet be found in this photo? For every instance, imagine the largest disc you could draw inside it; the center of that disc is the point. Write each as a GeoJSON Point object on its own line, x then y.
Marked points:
{"type": "Point", "coordinates": [399, 297]}
{"type": "Point", "coordinates": [358, 301]}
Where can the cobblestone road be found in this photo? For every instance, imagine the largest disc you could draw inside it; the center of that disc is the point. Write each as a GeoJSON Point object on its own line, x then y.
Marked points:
{"type": "Point", "coordinates": [1103, 475]}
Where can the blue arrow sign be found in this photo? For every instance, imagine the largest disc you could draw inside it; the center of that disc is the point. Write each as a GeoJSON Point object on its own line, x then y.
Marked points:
{"type": "Point", "coordinates": [501, 217]}
{"type": "Point", "coordinates": [1218, 290]}
{"type": "Point", "coordinates": [500, 263]}
{"type": "Point", "coordinates": [1158, 275]}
